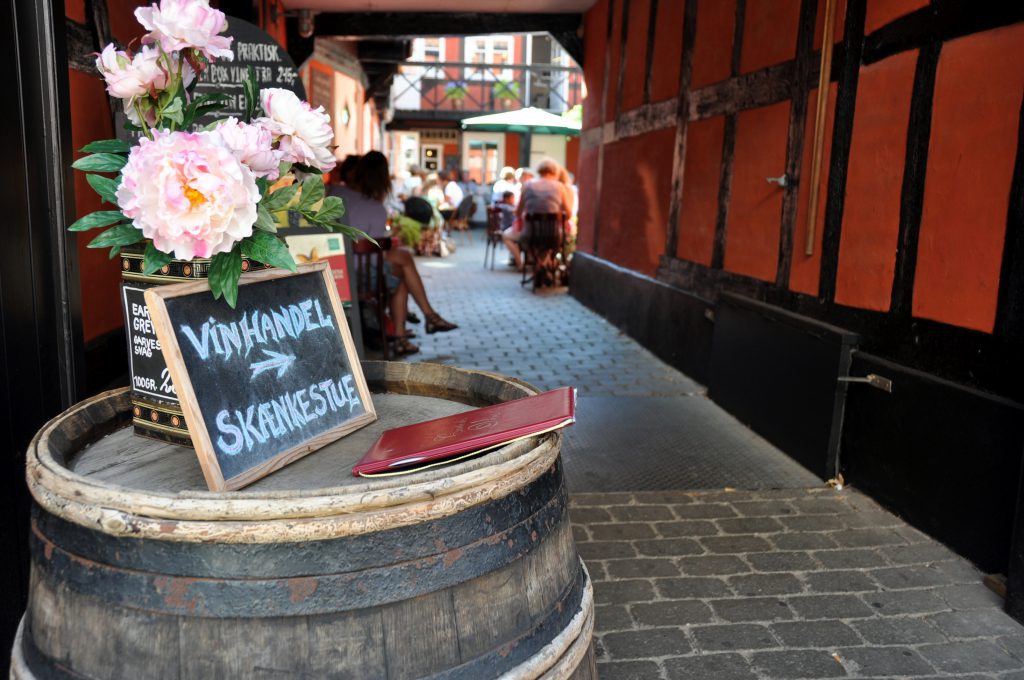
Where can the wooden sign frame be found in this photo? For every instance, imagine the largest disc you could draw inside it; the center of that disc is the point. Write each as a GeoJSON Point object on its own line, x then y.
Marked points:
{"type": "Point", "coordinates": [155, 300]}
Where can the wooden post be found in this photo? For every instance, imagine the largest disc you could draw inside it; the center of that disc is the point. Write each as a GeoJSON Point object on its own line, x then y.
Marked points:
{"type": "Point", "coordinates": [819, 123]}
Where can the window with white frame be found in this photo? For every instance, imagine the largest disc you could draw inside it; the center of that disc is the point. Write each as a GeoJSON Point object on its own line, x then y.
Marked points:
{"type": "Point", "coordinates": [428, 50]}
{"type": "Point", "coordinates": [492, 50]}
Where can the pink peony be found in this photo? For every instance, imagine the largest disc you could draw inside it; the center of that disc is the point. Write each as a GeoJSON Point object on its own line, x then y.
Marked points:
{"type": "Point", "coordinates": [129, 78]}
{"type": "Point", "coordinates": [253, 145]}
{"type": "Point", "coordinates": [305, 133]}
{"type": "Point", "coordinates": [182, 24]}
{"type": "Point", "coordinates": [188, 193]}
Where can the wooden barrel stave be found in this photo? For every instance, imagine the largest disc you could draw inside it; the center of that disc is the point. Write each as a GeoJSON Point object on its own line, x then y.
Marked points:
{"type": "Point", "coordinates": [493, 586]}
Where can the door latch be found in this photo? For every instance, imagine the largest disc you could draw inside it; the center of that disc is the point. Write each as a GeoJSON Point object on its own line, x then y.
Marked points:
{"type": "Point", "coordinates": [781, 180]}
{"type": "Point", "coordinates": [872, 379]}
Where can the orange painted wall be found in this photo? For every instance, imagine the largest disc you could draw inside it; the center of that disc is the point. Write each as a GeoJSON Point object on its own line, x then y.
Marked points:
{"type": "Point", "coordinates": [512, 149]}
{"type": "Point", "coordinates": [615, 52]}
{"type": "Point", "coordinates": [586, 180]}
{"type": "Point", "coordinates": [572, 155]}
{"type": "Point", "coordinates": [668, 48]}
{"type": "Point", "coordinates": [636, 54]}
{"type": "Point", "coordinates": [594, 40]}
{"type": "Point", "coordinates": [970, 166]}
{"type": "Point", "coordinates": [805, 270]}
{"type": "Point", "coordinates": [701, 177]}
{"type": "Point", "coordinates": [755, 206]}
{"type": "Point", "coordinates": [867, 252]}
{"type": "Point", "coordinates": [881, 12]}
{"type": "Point", "coordinates": [712, 47]}
{"type": "Point", "coordinates": [769, 33]}
{"type": "Point", "coordinates": [634, 200]}
{"type": "Point", "coordinates": [840, 25]}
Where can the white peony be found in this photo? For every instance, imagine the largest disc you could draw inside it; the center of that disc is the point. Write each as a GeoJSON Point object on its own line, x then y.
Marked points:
{"type": "Point", "coordinates": [304, 133]}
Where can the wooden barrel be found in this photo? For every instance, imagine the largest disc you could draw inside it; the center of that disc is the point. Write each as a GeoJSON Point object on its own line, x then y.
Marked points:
{"type": "Point", "coordinates": [468, 571]}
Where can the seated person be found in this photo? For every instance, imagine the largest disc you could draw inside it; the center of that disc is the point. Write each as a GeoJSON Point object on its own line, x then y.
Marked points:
{"type": "Point", "coordinates": [364, 209]}
{"type": "Point", "coordinates": [507, 206]}
{"type": "Point", "coordinates": [542, 195]}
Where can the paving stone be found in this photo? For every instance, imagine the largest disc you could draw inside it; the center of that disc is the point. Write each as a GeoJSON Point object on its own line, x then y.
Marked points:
{"type": "Point", "coordinates": [973, 596]}
{"type": "Point", "coordinates": [589, 515]}
{"type": "Point", "coordinates": [749, 525]}
{"type": "Point", "coordinates": [581, 499]}
{"type": "Point", "coordinates": [621, 531]}
{"type": "Point", "coordinates": [767, 508]}
{"type": "Point", "coordinates": [793, 664]}
{"type": "Point", "coordinates": [977, 623]}
{"type": "Point", "coordinates": [917, 554]}
{"type": "Point", "coordinates": [884, 661]}
{"type": "Point", "coordinates": [717, 565]}
{"type": "Point", "coordinates": [629, 670]}
{"type": "Point", "coordinates": [849, 559]}
{"type": "Point", "coordinates": [663, 497]}
{"type": "Point", "coordinates": [874, 518]}
{"type": "Point", "coordinates": [814, 522]}
{"type": "Point", "coordinates": [911, 576]}
{"type": "Point", "coordinates": [898, 631]}
{"type": "Point", "coordinates": [865, 538]}
{"type": "Point", "coordinates": [752, 609]}
{"type": "Point", "coordinates": [671, 613]}
{"type": "Point", "coordinates": [642, 568]}
{"type": "Point", "coordinates": [600, 550]}
{"type": "Point", "coordinates": [735, 544]}
{"type": "Point", "coordinates": [1014, 644]}
{"type": "Point", "coordinates": [642, 644]}
{"type": "Point", "coordinates": [830, 607]}
{"type": "Point", "coordinates": [905, 602]}
{"type": "Point", "coordinates": [748, 585]}
{"type": "Point", "coordinates": [710, 666]}
{"type": "Point", "coordinates": [800, 541]}
{"type": "Point", "coordinates": [597, 570]}
{"type": "Point", "coordinates": [623, 592]}
{"type": "Point", "coordinates": [960, 571]}
{"type": "Point", "coordinates": [669, 546]}
{"type": "Point", "coordinates": [612, 617]}
{"type": "Point", "coordinates": [683, 528]}
{"type": "Point", "coordinates": [640, 513]}
{"type": "Point", "coordinates": [967, 657]}
{"type": "Point", "coordinates": [692, 588]}
{"type": "Point", "coordinates": [703, 511]}
{"type": "Point", "coordinates": [830, 634]}
{"type": "Point", "coordinates": [733, 637]}
{"type": "Point", "coordinates": [782, 561]}
{"type": "Point", "coordinates": [840, 582]}
{"type": "Point", "coordinates": [580, 534]}
{"type": "Point", "coordinates": [828, 505]}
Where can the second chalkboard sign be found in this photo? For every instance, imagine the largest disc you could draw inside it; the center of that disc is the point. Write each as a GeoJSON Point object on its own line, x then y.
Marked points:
{"type": "Point", "coordinates": [265, 383]}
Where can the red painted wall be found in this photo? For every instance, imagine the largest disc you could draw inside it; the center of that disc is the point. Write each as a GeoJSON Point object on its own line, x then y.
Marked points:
{"type": "Point", "coordinates": [594, 31]}
{"type": "Point", "coordinates": [755, 206]}
{"type": "Point", "coordinates": [881, 12]}
{"type": "Point", "coordinates": [867, 251]}
{"type": "Point", "coordinates": [615, 53]}
{"type": "Point", "coordinates": [636, 59]}
{"type": "Point", "coordinates": [702, 173]}
{"type": "Point", "coordinates": [769, 33]}
{"type": "Point", "coordinates": [634, 200]}
{"type": "Point", "coordinates": [586, 180]}
{"type": "Point", "coordinates": [970, 166]}
{"type": "Point", "coordinates": [712, 47]}
{"type": "Point", "coordinates": [512, 149]}
{"type": "Point", "coordinates": [572, 155]}
{"type": "Point", "coordinates": [668, 51]}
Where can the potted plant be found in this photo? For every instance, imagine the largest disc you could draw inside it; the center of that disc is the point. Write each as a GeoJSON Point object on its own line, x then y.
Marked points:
{"type": "Point", "coordinates": [505, 92]}
{"type": "Point", "coordinates": [456, 91]}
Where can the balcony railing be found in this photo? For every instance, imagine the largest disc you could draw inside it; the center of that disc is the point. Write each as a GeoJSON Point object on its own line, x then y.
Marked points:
{"type": "Point", "coordinates": [485, 88]}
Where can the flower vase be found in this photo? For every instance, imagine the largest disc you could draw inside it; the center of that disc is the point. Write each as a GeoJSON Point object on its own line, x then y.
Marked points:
{"type": "Point", "coordinates": [156, 412]}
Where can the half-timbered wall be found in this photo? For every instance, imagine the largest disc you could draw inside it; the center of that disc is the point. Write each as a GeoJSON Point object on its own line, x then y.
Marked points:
{"type": "Point", "coordinates": [918, 243]}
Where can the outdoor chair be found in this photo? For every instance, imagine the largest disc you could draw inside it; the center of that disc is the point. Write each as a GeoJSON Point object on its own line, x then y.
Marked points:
{"type": "Point", "coordinates": [371, 290]}
{"type": "Point", "coordinates": [459, 220]}
{"type": "Point", "coordinates": [493, 235]}
{"type": "Point", "coordinates": [543, 240]}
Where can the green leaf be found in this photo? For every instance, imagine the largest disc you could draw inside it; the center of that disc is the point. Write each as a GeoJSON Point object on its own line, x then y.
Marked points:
{"type": "Point", "coordinates": [331, 210]}
{"type": "Point", "coordinates": [277, 200]}
{"type": "Point", "coordinates": [268, 249]}
{"type": "Point", "coordinates": [308, 169]}
{"type": "Point", "coordinates": [312, 192]}
{"type": "Point", "coordinates": [262, 183]}
{"type": "Point", "coordinates": [252, 91]}
{"type": "Point", "coordinates": [264, 220]}
{"type": "Point", "coordinates": [121, 235]}
{"type": "Point", "coordinates": [107, 146]}
{"type": "Point", "coordinates": [100, 162]}
{"type": "Point", "coordinates": [100, 218]}
{"type": "Point", "coordinates": [225, 268]}
{"type": "Point", "coordinates": [114, 252]}
{"type": "Point", "coordinates": [173, 111]}
{"type": "Point", "coordinates": [104, 186]}
{"type": "Point", "coordinates": [154, 259]}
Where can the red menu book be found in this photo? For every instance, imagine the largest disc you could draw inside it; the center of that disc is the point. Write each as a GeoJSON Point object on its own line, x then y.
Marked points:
{"type": "Point", "coordinates": [415, 447]}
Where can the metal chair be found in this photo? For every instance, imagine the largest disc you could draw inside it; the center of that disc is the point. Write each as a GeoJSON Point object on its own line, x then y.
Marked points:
{"type": "Point", "coordinates": [543, 240]}
{"type": "Point", "coordinates": [493, 235]}
{"type": "Point", "coordinates": [371, 288]}
{"type": "Point", "coordinates": [459, 220]}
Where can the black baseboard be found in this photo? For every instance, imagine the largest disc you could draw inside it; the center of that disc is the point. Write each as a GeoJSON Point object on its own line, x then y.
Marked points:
{"type": "Point", "coordinates": [778, 373]}
{"type": "Point", "coordinates": [673, 324]}
{"type": "Point", "coordinates": [944, 457]}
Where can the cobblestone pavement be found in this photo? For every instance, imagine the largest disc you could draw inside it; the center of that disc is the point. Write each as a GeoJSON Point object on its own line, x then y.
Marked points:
{"type": "Point", "coordinates": [783, 579]}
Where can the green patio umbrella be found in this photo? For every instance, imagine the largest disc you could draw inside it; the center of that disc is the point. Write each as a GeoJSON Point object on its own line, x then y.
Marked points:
{"type": "Point", "coordinates": [530, 119]}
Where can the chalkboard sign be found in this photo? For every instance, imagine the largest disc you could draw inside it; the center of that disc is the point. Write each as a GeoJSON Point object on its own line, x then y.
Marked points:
{"type": "Point", "coordinates": [265, 383]}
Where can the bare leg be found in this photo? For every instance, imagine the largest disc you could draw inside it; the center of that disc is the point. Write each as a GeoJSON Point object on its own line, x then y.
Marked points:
{"type": "Point", "coordinates": [399, 305]}
{"type": "Point", "coordinates": [514, 251]}
{"type": "Point", "coordinates": [404, 267]}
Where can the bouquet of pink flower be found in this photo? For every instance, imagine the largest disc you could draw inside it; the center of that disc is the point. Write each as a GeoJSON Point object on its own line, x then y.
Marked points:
{"type": "Point", "coordinates": [203, 193]}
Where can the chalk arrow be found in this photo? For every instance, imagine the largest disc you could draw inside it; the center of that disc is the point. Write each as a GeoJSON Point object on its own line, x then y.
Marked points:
{"type": "Point", "coordinates": [279, 361]}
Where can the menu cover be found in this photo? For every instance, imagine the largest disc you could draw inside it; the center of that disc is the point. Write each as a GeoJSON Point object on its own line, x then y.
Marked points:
{"type": "Point", "coordinates": [415, 447]}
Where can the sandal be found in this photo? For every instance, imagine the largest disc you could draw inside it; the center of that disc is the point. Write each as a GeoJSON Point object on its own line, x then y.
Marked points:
{"type": "Point", "coordinates": [436, 324]}
{"type": "Point", "coordinates": [411, 317]}
{"type": "Point", "coordinates": [403, 346]}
